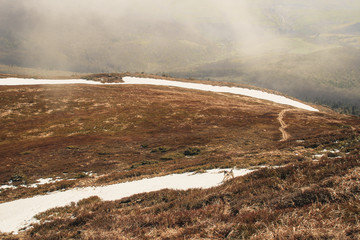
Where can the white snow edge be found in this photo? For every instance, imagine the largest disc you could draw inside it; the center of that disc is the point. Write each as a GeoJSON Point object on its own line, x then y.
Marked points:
{"type": "Point", "coordinates": [19, 214]}
{"type": "Point", "coordinates": [160, 82]}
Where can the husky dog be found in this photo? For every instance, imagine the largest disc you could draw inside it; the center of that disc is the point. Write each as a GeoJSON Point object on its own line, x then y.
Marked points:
{"type": "Point", "coordinates": [228, 175]}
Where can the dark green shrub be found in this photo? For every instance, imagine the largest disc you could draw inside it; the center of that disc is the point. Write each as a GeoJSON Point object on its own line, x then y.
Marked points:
{"type": "Point", "coordinates": [191, 151]}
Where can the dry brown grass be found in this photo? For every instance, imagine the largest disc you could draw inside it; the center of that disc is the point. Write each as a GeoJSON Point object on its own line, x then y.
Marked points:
{"type": "Point", "coordinates": [308, 200]}
{"type": "Point", "coordinates": [52, 130]}
{"type": "Point", "coordinates": [130, 132]}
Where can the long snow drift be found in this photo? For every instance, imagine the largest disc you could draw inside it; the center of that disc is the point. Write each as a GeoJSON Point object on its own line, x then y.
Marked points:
{"type": "Point", "coordinates": [160, 82]}
{"type": "Point", "coordinates": [221, 89]}
{"type": "Point", "coordinates": [20, 213]}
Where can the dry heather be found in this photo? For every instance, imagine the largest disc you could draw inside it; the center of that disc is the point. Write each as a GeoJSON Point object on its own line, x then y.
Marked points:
{"type": "Point", "coordinates": [306, 200]}
{"type": "Point", "coordinates": [130, 132]}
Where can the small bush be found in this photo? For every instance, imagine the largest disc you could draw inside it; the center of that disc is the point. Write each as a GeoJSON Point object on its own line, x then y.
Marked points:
{"type": "Point", "coordinates": [172, 156]}
{"type": "Point", "coordinates": [308, 197]}
{"type": "Point", "coordinates": [72, 147]}
{"type": "Point", "coordinates": [332, 155]}
{"type": "Point", "coordinates": [81, 175]}
{"type": "Point", "coordinates": [142, 163]}
{"type": "Point", "coordinates": [64, 185]}
{"type": "Point", "coordinates": [192, 151]}
{"type": "Point", "coordinates": [26, 153]}
{"type": "Point", "coordinates": [244, 231]}
{"type": "Point", "coordinates": [161, 149]}
{"type": "Point", "coordinates": [104, 153]}
{"type": "Point", "coordinates": [18, 178]}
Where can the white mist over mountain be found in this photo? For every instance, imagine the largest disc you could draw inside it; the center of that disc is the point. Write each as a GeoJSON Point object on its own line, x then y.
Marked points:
{"type": "Point", "coordinates": [93, 35]}
{"type": "Point", "coordinates": [291, 46]}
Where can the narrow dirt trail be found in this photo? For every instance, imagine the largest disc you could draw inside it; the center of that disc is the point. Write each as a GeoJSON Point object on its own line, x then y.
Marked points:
{"type": "Point", "coordinates": [283, 125]}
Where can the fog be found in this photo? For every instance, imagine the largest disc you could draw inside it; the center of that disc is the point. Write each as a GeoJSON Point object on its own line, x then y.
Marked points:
{"type": "Point", "coordinates": [144, 35]}
{"type": "Point", "coordinates": [269, 43]}
{"type": "Point", "coordinates": [128, 35]}
{"type": "Point", "coordinates": [93, 35]}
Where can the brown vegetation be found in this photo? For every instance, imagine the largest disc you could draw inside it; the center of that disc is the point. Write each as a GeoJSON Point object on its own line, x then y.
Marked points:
{"type": "Point", "coordinates": [305, 200]}
{"type": "Point", "coordinates": [127, 132]}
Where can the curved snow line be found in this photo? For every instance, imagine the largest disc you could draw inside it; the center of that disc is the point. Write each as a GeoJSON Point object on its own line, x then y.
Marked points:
{"type": "Point", "coordinates": [223, 89]}
{"type": "Point", "coordinates": [160, 82]}
{"type": "Point", "coordinates": [20, 213]}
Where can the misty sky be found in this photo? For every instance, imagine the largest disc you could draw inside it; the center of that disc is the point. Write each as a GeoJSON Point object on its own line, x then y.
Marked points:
{"type": "Point", "coordinates": [95, 35]}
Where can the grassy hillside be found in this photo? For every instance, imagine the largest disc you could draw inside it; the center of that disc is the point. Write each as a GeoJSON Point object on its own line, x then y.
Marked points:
{"type": "Point", "coordinates": [121, 133]}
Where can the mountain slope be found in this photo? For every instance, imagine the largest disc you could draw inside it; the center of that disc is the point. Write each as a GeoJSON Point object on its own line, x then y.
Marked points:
{"type": "Point", "coordinates": [309, 200]}
{"type": "Point", "coordinates": [127, 132]}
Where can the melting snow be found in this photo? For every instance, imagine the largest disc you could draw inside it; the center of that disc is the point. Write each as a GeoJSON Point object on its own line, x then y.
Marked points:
{"type": "Point", "coordinates": [6, 186]}
{"type": "Point", "coordinates": [160, 82]}
{"type": "Point", "coordinates": [20, 213]}
{"type": "Point", "coordinates": [332, 151]}
{"type": "Point", "coordinates": [223, 89]}
{"type": "Point", "coordinates": [40, 181]}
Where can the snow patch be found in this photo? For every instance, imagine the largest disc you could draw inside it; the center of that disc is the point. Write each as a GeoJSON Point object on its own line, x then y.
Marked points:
{"type": "Point", "coordinates": [19, 214]}
{"type": "Point", "coordinates": [332, 151]}
{"type": "Point", "coordinates": [318, 155]}
{"type": "Point", "coordinates": [7, 186]}
{"type": "Point", "coordinates": [160, 82]}
{"type": "Point", "coordinates": [40, 181]}
{"type": "Point", "coordinates": [223, 89]}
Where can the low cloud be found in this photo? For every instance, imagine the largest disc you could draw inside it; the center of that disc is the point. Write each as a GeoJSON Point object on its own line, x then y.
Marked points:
{"type": "Point", "coordinates": [144, 35]}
